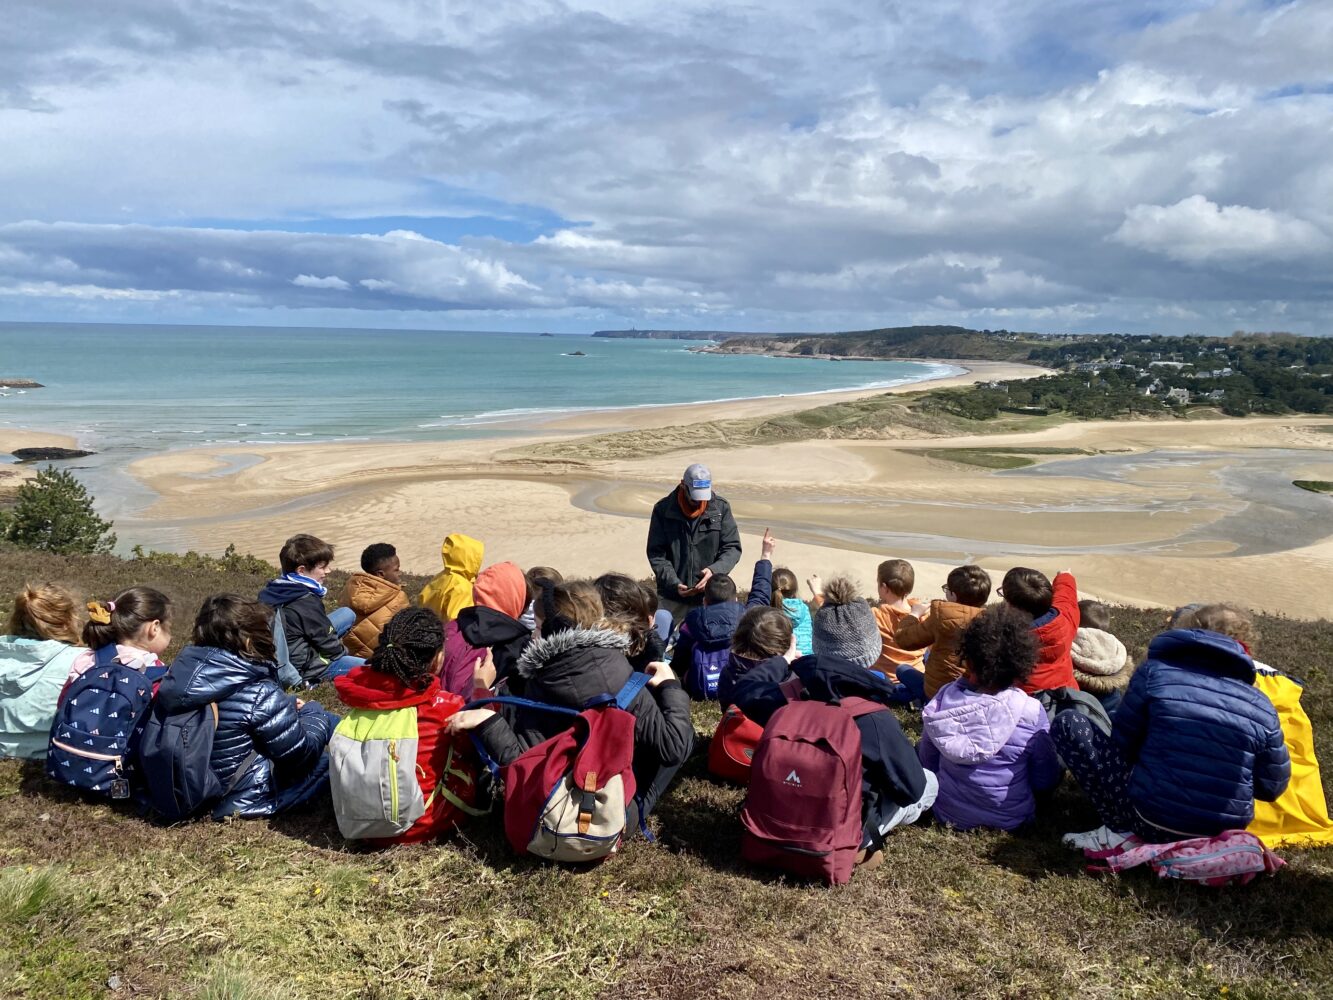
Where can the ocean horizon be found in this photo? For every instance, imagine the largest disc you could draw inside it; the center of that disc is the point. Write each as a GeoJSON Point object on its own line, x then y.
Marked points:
{"type": "Point", "coordinates": [148, 388]}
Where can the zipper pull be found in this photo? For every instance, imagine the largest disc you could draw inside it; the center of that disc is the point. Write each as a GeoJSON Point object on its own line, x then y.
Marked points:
{"type": "Point", "coordinates": [393, 750]}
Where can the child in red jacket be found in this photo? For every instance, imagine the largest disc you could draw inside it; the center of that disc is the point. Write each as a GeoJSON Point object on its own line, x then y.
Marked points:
{"type": "Point", "coordinates": [1055, 620]}
{"type": "Point", "coordinates": [404, 672]}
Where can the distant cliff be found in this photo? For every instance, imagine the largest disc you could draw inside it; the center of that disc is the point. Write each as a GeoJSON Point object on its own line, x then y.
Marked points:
{"type": "Point", "coordinates": [670, 334]}
{"type": "Point", "coordinates": [948, 342]}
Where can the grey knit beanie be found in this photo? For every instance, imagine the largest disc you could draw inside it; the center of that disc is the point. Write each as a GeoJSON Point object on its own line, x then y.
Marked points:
{"type": "Point", "coordinates": [845, 627]}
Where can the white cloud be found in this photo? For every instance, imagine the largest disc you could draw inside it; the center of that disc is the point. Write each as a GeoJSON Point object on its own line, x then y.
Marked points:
{"type": "Point", "coordinates": [310, 281]}
{"type": "Point", "coordinates": [1196, 230]}
{"type": "Point", "coordinates": [1047, 161]}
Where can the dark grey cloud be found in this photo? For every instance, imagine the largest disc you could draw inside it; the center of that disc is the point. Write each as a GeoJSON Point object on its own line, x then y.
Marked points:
{"type": "Point", "coordinates": [1048, 163]}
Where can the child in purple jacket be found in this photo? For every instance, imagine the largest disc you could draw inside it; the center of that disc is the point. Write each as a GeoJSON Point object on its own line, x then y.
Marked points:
{"type": "Point", "coordinates": [987, 740]}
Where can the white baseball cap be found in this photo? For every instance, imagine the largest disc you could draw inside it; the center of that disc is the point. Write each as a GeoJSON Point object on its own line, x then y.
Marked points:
{"type": "Point", "coordinates": [699, 481]}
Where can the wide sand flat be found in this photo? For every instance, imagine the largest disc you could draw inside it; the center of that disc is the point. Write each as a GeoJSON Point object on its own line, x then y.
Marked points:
{"type": "Point", "coordinates": [1165, 512]}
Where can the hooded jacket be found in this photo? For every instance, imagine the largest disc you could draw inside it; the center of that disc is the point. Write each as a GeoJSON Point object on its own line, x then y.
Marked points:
{"type": "Point", "coordinates": [32, 675]}
{"type": "Point", "coordinates": [451, 591]}
{"type": "Point", "coordinates": [312, 642]}
{"type": "Point", "coordinates": [485, 628]}
{"type": "Point", "coordinates": [1101, 663]}
{"type": "Point", "coordinates": [710, 628]}
{"type": "Point", "coordinates": [367, 688]}
{"type": "Point", "coordinates": [942, 630]}
{"type": "Point", "coordinates": [375, 600]}
{"type": "Point", "coordinates": [681, 548]}
{"type": "Point", "coordinates": [501, 593]}
{"type": "Point", "coordinates": [991, 753]}
{"type": "Point", "coordinates": [1201, 741]}
{"type": "Point", "coordinates": [1055, 631]}
{"type": "Point", "coordinates": [571, 668]}
{"type": "Point", "coordinates": [253, 714]}
{"type": "Point", "coordinates": [891, 774]}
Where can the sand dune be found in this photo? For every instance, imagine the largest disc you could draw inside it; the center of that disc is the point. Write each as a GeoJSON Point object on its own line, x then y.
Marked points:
{"type": "Point", "coordinates": [1144, 529]}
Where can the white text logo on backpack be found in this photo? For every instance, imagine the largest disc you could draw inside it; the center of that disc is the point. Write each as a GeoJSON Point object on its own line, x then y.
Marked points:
{"type": "Point", "coordinates": [792, 779]}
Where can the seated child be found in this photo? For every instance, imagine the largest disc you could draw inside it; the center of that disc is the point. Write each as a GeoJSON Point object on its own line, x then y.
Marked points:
{"type": "Point", "coordinates": [314, 638]}
{"type": "Point", "coordinates": [534, 577]}
{"type": "Point", "coordinates": [844, 626]}
{"type": "Point", "coordinates": [137, 623]}
{"type": "Point", "coordinates": [1191, 747]}
{"type": "Point", "coordinates": [376, 595]}
{"type": "Point", "coordinates": [988, 741]}
{"type": "Point", "coordinates": [763, 633]}
{"type": "Point", "coordinates": [491, 623]}
{"type": "Point", "coordinates": [274, 739]}
{"type": "Point", "coordinates": [1299, 816]}
{"type": "Point", "coordinates": [632, 609]}
{"type": "Point", "coordinates": [785, 590]}
{"type": "Point", "coordinates": [451, 591]}
{"type": "Point", "coordinates": [1102, 666]}
{"type": "Point", "coordinates": [896, 578]}
{"type": "Point", "coordinates": [1055, 619]}
{"type": "Point", "coordinates": [703, 646]}
{"type": "Point", "coordinates": [577, 659]}
{"type": "Point", "coordinates": [895, 789]}
{"type": "Point", "coordinates": [35, 659]}
{"type": "Point", "coordinates": [404, 672]}
{"type": "Point", "coordinates": [941, 627]}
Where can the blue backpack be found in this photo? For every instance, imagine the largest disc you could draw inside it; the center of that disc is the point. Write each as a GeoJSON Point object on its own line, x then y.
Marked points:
{"type": "Point", "coordinates": [174, 762]}
{"type": "Point", "coordinates": [97, 726]}
{"type": "Point", "coordinates": [706, 663]}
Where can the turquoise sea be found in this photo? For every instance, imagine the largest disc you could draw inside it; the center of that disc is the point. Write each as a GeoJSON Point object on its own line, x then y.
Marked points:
{"type": "Point", "coordinates": [123, 389]}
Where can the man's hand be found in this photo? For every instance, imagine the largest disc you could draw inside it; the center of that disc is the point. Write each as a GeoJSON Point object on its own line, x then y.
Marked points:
{"type": "Point", "coordinates": [659, 672]}
{"type": "Point", "coordinates": [704, 577]}
{"type": "Point", "coordinates": [683, 590]}
{"type": "Point", "coordinates": [769, 544]}
{"type": "Point", "coordinates": [469, 718]}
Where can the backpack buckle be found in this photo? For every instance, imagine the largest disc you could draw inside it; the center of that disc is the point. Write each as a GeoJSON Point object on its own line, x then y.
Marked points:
{"type": "Point", "coordinates": [587, 802]}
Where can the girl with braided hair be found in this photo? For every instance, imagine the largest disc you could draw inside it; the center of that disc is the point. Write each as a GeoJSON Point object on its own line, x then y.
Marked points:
{"type": "Point", "coordinates": [404, 673]}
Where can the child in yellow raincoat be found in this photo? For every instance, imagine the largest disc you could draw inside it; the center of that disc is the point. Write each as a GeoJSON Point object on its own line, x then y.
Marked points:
{"type": "Point", "coordinates": [451, 591]}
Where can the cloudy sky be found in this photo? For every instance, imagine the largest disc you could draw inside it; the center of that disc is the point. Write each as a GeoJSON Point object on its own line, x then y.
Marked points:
{"type": "Point", "coordinates": [1030, 164]}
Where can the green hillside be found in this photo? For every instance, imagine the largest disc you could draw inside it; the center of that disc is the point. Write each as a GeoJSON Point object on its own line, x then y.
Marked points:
{"type": "Point", "coordinates": [90, 895]}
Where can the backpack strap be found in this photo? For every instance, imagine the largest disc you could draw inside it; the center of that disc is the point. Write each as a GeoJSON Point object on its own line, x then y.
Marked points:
{"type": "Point", "coordinates": [105, 656]}
{"type": "Point", "coordinates": [861, 706]}
{"type": "Point", "coordinates": [793, 688]}
{"type": "Point", "coordinates": [240, 771]}
{"type": "Point", "coordinates": [491, 764]}
{"type": "Point", "coordinates": [636, 683]}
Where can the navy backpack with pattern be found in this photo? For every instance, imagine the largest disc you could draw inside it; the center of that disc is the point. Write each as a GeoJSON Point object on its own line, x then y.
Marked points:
{"type": "Point", "coordinates": [96, 725]}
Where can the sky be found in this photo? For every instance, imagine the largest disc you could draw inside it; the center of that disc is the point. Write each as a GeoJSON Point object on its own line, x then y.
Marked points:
{"type": "Point", "coordinates": [1064, 165]}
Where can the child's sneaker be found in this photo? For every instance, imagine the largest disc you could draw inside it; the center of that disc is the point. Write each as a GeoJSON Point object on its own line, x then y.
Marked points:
{"type": "Point", "coordinates": [1101, 839]}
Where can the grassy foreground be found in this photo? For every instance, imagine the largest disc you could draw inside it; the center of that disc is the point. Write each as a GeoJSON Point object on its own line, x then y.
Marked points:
{"type": "Point", "coordinates": [96, 903]}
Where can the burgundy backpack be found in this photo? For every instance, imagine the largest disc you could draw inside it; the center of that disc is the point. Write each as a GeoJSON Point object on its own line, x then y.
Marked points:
{"type": "Point", "coordinates": [802, 812]}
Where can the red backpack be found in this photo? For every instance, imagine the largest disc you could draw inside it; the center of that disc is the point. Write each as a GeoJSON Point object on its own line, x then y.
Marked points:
{"type": "Point", "coordinates": [566, 799]}
{"type": "Point", "coordinates": [803, 810]}
{"type": "Point", "coordinates": [731, 751]}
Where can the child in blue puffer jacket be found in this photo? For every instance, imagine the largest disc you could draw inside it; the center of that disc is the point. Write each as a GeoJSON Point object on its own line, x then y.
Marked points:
{"type": "Point", "coordinates": [275, 740]}
{"type": "Point", "coordinates": [1192, 745]}
{"type": "Point", "coordinates": [785, 589]}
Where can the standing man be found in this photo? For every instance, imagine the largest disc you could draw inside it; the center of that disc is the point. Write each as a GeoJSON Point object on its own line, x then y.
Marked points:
{"type": "Point", "coordinates": [691, 538]}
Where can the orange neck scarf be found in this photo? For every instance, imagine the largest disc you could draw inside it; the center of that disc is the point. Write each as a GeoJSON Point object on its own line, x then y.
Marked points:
{"type": "Point", "coordinates": [688, 507]}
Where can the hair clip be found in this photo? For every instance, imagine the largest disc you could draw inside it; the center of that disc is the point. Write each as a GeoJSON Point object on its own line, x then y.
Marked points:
{"type": "Point", "coordinates": [98, 613]}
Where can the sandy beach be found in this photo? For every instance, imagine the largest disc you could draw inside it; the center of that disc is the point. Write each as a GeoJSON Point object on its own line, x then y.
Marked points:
{"type": "Point", "coordinates": [1150, 512]}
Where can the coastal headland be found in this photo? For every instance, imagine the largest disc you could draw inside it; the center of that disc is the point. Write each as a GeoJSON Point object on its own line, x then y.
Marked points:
{"type": "Point", "coordinates": [1145, 511]}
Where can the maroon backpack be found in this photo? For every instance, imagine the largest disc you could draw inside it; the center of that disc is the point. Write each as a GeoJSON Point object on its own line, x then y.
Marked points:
{"type": "Point", "coordinates": [802, 812]}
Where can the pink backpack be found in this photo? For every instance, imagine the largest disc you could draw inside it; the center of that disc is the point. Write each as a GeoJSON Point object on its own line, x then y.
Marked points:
{"type": "Point", "coordinates": [1232, 857]}
{"type": "Point", "coordinates": [802, 812]}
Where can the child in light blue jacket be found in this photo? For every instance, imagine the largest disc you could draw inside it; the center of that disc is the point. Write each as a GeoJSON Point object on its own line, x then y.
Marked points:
{"type": "Point", "coordinates": [35, 658]}
{"type": "Point", "coordinates": [785, 590]}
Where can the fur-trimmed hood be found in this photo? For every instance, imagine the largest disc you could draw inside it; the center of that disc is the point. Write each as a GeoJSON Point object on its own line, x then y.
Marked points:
{"type": "Point", "coordinates": [542, 652]}
{"type": "Point", "coordinates": [1101, 663]}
